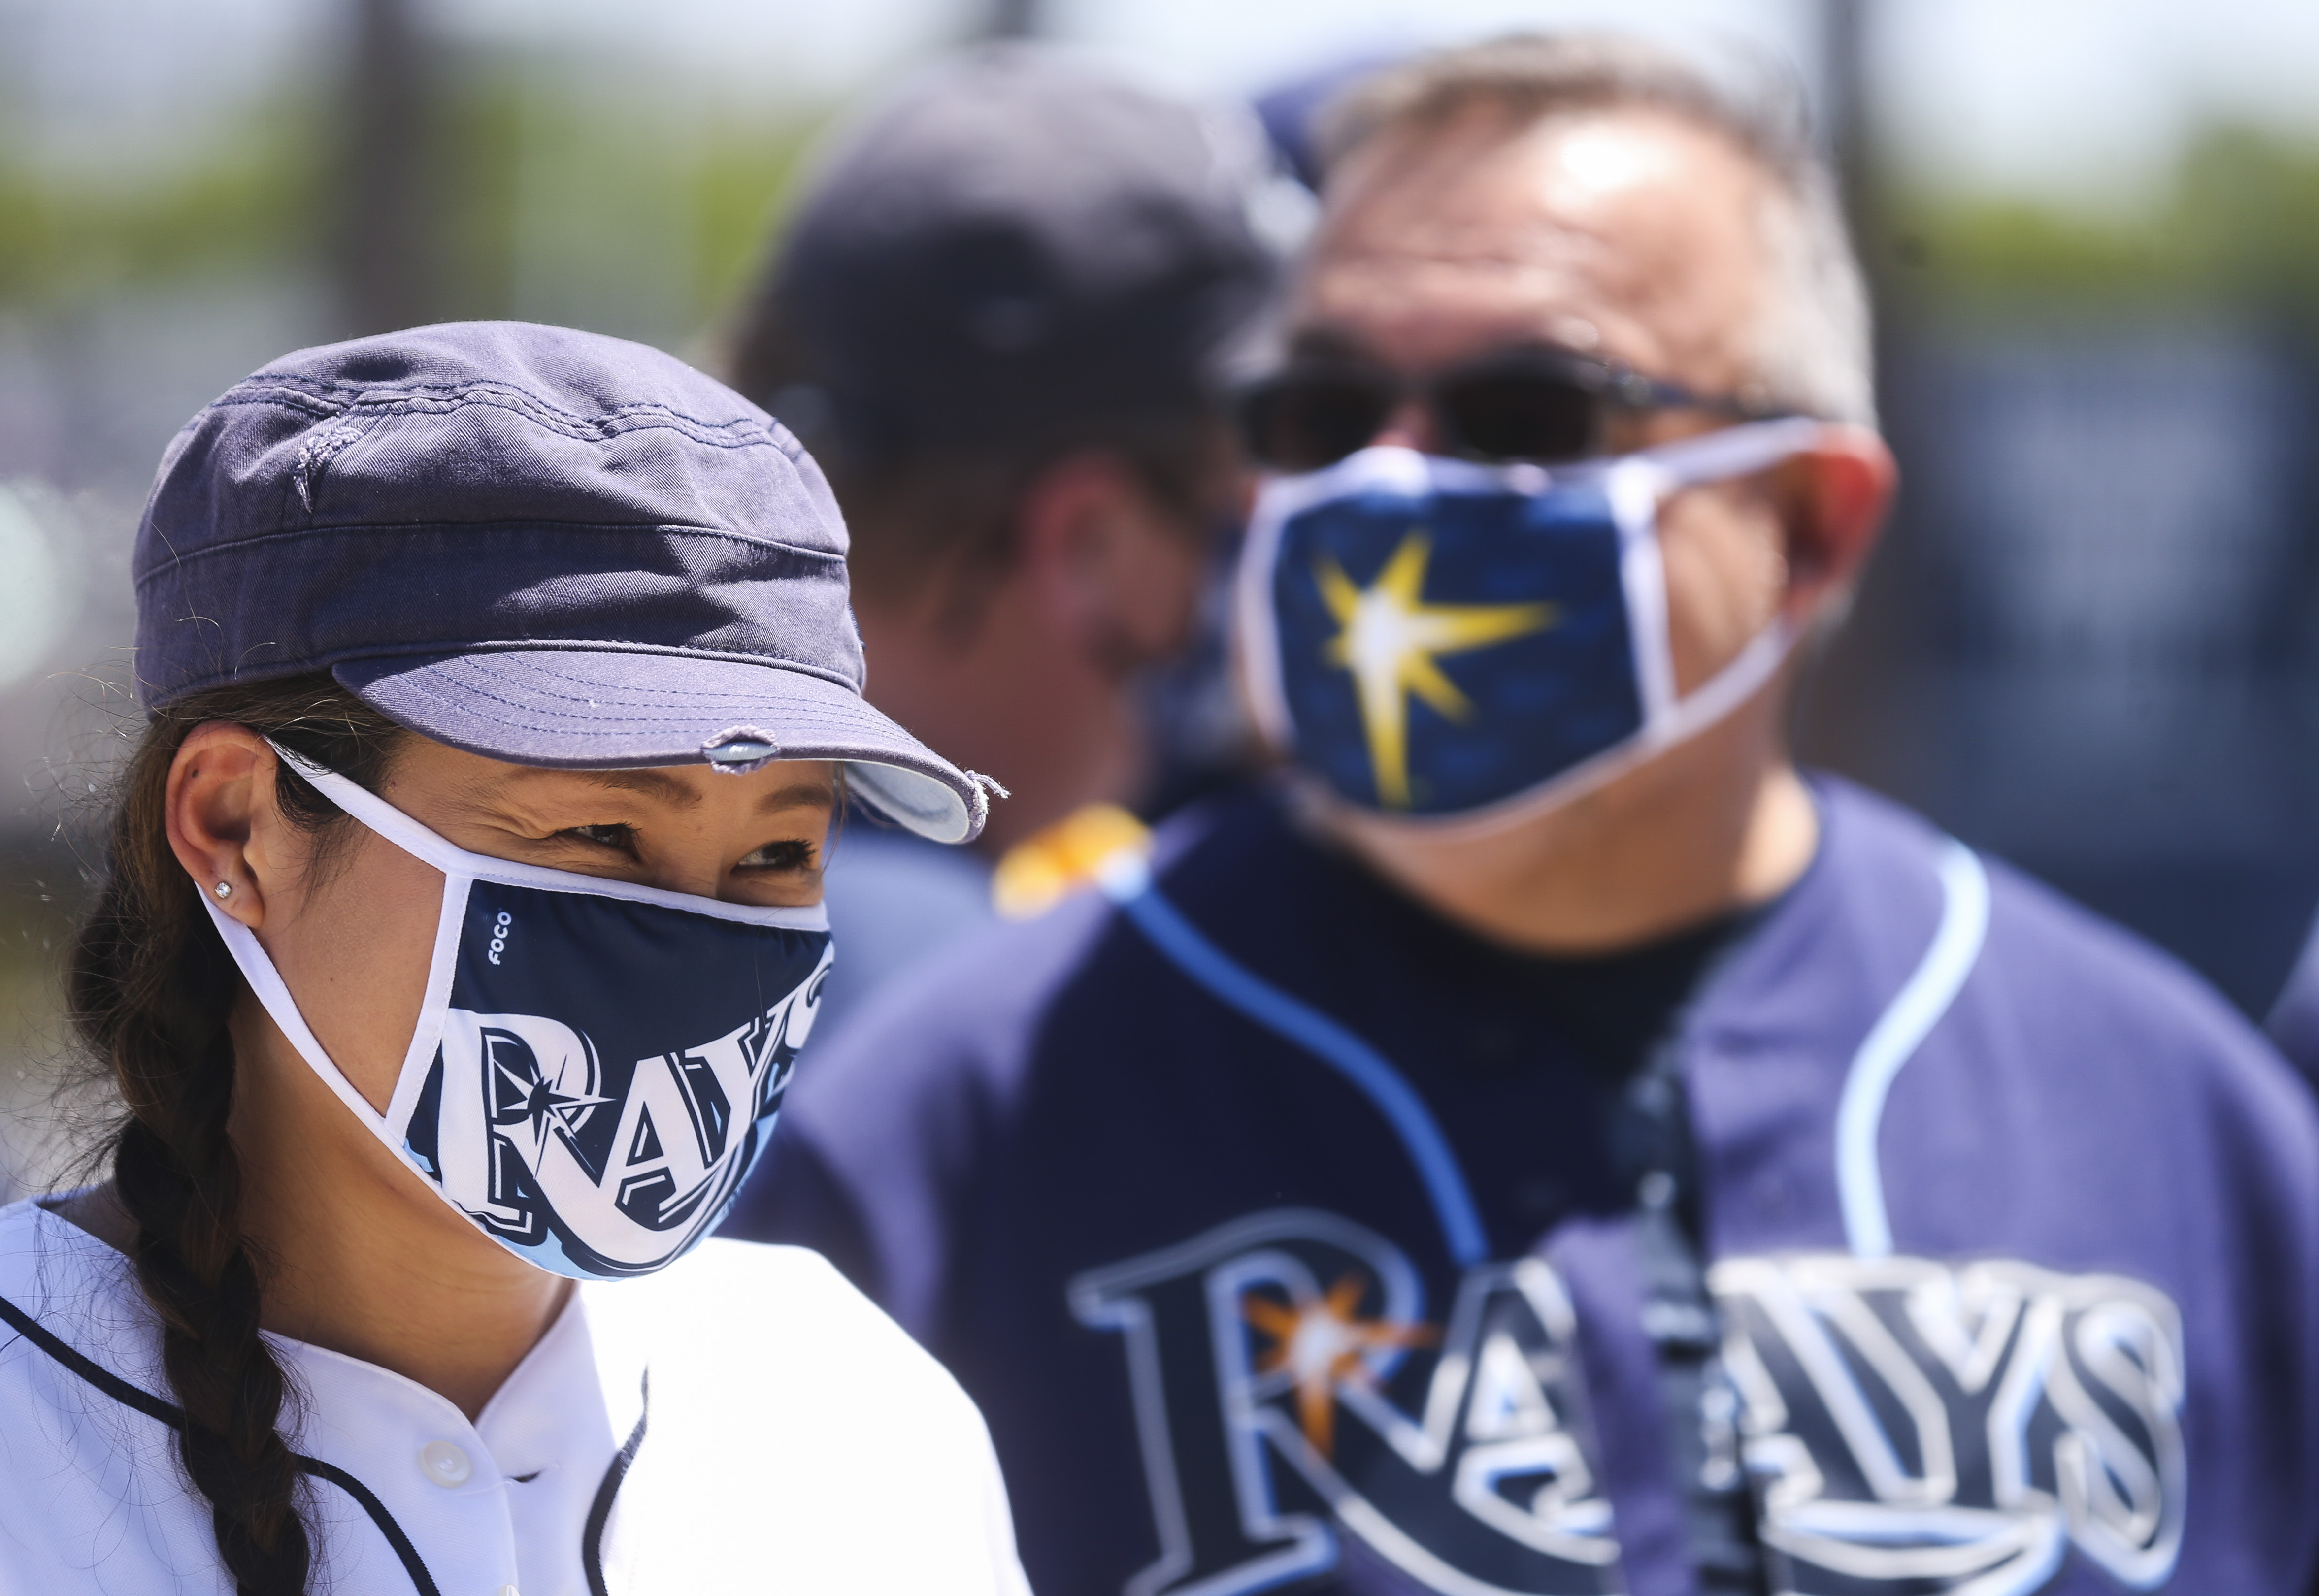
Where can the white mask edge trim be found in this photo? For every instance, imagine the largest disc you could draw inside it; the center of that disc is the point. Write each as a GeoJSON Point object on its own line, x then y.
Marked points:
{"type": "Point", "coordinates": [1634, 486]}
{"type": "Point", "coordinates": [1633, 492]}
{"type": "Point", "coordinates": [427, 1035]}
{"type": "Point", "coordinates": [1716, 697]}
{"type": "Point", "coordinates": [1259, 642]}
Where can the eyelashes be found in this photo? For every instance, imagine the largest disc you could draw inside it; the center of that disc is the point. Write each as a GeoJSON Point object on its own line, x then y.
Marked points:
{"type": "Point", "coordinates": [795, 854]}
{"type": "Point", "coordinates": [789, 855]}
{"type": "Point", "coordinates": [619, 839]}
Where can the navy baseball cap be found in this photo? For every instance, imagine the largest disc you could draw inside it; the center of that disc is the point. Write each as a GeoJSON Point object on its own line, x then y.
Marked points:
{"type": "Point", "coordinates": [1014, 244]}
{"type": "Point", "coordinates": [538, 545]}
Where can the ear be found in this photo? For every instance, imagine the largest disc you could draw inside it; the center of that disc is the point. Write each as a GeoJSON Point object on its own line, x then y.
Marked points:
{"type": "Point", "coordinates": [220, 812]}
{"type": "Point", "coordinates": [1116, 571]}
{"type": "Point", "coordinates": [1837, 494]}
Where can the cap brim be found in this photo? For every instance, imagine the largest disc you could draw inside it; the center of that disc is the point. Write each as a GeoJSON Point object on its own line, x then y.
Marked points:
{"type": "Point", "coordinates": [583, 710]}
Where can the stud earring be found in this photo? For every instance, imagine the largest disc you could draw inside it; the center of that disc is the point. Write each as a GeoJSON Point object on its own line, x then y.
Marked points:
{"type": "Point", "coordinates": [223, 890]}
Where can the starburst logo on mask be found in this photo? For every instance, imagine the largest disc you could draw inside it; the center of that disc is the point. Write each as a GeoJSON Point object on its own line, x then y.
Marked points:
{"type": "Point", "coordinates": [1391, 640]}
{"type": "Point", "coordinates": [540, 1097]}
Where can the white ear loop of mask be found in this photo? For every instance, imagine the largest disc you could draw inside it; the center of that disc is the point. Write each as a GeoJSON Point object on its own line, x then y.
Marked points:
{"type": "Point", "coordinates": [414, 839]}
{"type": "Point", "coordinates": [1634, 486]}
{"type": "Point", "coordinates": [460, 869]}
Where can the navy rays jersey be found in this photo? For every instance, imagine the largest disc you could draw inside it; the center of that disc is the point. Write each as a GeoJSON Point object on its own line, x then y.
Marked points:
{"type": "Point", "coordinates": [1947, 1240]}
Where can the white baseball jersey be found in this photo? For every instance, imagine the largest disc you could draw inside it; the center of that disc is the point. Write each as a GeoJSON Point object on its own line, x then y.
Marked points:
{"type": "Point", "coordinates": [744, 1420]}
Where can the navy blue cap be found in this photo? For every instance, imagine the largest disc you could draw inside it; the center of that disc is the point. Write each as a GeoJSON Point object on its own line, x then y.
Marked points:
{"type": "Point", "coordinates": [1014, 244]}
{"type": "Point", "coordinates": [541, 545]}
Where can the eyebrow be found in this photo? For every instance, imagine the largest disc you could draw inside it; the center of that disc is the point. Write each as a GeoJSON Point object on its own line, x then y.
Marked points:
{"type": "Point", "coordinates": [798, 794]}
{"type": "Point", "coordinates": [661, 785]}
{"type": "Point", "coordinates": [657, 784]}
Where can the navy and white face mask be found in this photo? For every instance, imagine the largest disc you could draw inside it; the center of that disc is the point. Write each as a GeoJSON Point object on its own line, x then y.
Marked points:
{"type": "Point", "coordinates": [596, 1064]}
{"type": "Point", "coordinates": [1465, 645]}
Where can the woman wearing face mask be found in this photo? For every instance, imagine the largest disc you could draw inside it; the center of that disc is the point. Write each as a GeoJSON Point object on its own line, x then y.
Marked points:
{"type": "Point", "coordinates": [460, 925]}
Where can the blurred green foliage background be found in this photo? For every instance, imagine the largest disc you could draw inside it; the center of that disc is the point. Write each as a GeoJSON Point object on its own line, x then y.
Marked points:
{"type": "Point", "coordinates": [2237, 227]}
{"type": "Point", "coordinates": [560, 192]}
{"type": "Point", "coordinates": [538, 197]}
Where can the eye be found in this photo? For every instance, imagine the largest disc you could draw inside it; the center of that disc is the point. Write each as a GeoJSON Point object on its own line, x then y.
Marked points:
{"type": "Point", "coordinates": [619, 839]}
{"type": "Point", "coordinates": [795, 854]}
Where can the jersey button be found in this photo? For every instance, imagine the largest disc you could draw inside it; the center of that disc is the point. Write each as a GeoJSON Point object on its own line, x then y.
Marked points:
{"type": "Point", "coordinates": [445, 1464]}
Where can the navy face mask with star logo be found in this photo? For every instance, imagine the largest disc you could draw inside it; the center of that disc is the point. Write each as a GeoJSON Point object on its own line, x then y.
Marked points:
{"type": "Point", "coordinates": [1465, 643]}
{"type": "Point", "coordinates": [596, 1064]}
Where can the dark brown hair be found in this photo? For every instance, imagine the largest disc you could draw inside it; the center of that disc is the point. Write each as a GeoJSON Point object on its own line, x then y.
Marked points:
{"type": "Point", "coordinates": [928, 513]}
{"type": "Point", "coordinates": [953, 517]}
{"type": "Point", "coordinates": [151, 988]}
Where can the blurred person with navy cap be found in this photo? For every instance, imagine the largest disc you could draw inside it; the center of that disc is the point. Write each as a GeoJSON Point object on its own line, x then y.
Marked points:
{"type": "Point", "coordinates": [1551, 1144]}
{"type": "Point", "coordinates": [1000, 316]}
{"type": "Point", "coordinates": [459, 929]}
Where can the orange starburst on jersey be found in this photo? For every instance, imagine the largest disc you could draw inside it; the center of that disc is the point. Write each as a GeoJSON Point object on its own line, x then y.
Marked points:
{"type": "Point", "coordinates": [1323, 1345]}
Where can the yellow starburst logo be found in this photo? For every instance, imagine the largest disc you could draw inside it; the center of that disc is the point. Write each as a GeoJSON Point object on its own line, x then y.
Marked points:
{"type": "Point", "coordinates": [1390, 639]}
{"type": "Point", "coordinates": [1323, 1345]}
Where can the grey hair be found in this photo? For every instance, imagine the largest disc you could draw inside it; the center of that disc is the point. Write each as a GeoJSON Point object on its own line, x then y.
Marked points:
{"type": "Point", "coordinates": [1813, 350]}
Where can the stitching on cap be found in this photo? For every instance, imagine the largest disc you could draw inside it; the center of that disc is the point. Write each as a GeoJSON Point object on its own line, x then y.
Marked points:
{"type": "Point", "coordinates": [642, 695]}
{"type": "Point", "coordinates": [470, 690]}
{"type": "Point", "coordinates": [355, 396]}
{"type": "Point", "coordinates": [316, 451]}
{"type": "Point", "coordinates": [311, 404]}
{"type": "Point", "coordinates": [650, 696]}
{"type": "Point", "coordinates": [439, 397]}
{"type": "Point", "coordinates": [348, 656]}
{"type": "Point", "coordinates": [752, 540]}
{"type": "Point", "coordinates": [531, 646]}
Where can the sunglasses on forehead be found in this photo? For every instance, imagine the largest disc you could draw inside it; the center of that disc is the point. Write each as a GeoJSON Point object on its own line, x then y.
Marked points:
{"type": "Point", "coordinates": [1538, 404]}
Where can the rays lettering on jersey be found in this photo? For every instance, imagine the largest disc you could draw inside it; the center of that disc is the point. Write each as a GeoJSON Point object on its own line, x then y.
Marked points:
{"type": "Point", "coordinates": [1911, 1426]}
{"type": "Point", "coordinates": [1289, 1389]}
{"type": "Point", "coordinates": [1920, 1427]}
{"type": "Point", "coordinates": [626, 1154]}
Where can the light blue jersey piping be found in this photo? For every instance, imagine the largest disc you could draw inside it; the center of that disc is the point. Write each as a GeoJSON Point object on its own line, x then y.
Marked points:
{"type": "Point", "coordinates": [1890, 1044]}
{"type": "Point", "coordinates": [1128, 881]}
{"type": "Point", "coordinates": [1893, 1041]}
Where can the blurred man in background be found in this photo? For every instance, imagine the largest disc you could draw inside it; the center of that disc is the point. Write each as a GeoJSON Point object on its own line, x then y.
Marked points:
{"type": "Point", "coordinates": [998, 320]}
{"type": "Point", "coordinates": [1554, 1146]}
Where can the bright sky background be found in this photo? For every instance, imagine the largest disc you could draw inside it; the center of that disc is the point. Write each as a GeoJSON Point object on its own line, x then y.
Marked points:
{"type": "Point", "coordinates": [2082, 101]}
{"type": "Point", "coordinates": [2077, 101]}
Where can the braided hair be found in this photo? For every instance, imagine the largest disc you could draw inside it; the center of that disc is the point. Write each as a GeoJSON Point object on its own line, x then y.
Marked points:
{"type": "Point", "coordinates": [151, 988]}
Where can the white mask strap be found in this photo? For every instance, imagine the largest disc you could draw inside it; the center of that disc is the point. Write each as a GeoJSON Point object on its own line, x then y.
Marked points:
{"type": "Point", "coordinates": [379, 816]}
{"type": "Point", "coordinates": [414, 839]}
{"type": "Point", "coordinates": [1635, 485]}
{"type": "Point", "coordinates": [1718, 456]}
{"type": "Point", "coordinates": [1728, 687]}
{"type": "Point", "coordinates": [265, 982]}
